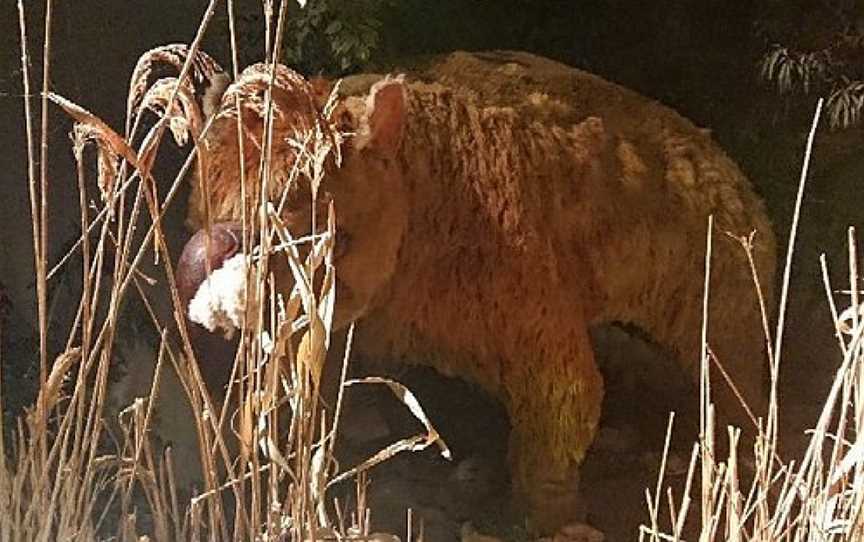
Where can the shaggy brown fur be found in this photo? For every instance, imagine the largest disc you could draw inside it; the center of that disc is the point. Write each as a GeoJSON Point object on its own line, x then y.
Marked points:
{"type": "Point", "coordinates": [502, 205]}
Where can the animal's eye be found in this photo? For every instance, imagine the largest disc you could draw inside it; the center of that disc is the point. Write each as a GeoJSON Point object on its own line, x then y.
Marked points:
{"type": "Point", "coordinates": [344, 122]}
{"type": "Point", "coordinates": [298, 197]}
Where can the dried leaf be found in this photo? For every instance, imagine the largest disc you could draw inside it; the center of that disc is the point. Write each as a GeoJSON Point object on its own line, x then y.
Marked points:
{"type": "Point", "coordinates": [312, 351]}
{"type": "Point", "coordinates": [412, 444]}
{"type": "Point", "coordinates": [107, 162]}
{"type": "Point", "coordinates": [268, 446]}
{"type": "Point", "coordinates": [101, 133]}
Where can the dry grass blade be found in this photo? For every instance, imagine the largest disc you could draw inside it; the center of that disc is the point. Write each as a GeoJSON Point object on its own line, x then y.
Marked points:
{"type": "Point", "coordinates": [279, 483]}
{"type": "Point", "coordinates": [821, 496]}
{"type": "Point", "coordinates": [107, 161]}
{"type": "Point", "coordinates": [312, 351]}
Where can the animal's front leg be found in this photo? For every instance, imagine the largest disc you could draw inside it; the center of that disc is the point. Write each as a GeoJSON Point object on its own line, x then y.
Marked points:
{"type": "Point", "coordinates": [549, 490]}
{"type": "Point", "coordinates": [554, 405]}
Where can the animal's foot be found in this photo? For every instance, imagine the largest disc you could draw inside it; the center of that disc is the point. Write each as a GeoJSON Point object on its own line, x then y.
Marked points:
{"type": "Point", "coordinates": [576, 532]}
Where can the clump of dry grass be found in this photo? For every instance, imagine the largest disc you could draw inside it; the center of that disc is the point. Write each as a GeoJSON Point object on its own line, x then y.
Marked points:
{"type": "Point", "coordinates": [819, 496]}
{"type": "Point", "coordinates": [266, 465]}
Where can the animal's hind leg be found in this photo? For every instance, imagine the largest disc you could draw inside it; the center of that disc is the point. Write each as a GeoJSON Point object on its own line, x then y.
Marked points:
{"type": "Point", "coordinates": [554, 404]}
{"type": "Point", "coordinates": [737, 343]}
{"type": "Point", "coordinates": [738, 347]}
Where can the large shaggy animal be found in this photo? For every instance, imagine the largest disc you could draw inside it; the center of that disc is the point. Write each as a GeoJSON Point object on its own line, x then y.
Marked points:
{"type": "Point", "coordinates": [495, 207]}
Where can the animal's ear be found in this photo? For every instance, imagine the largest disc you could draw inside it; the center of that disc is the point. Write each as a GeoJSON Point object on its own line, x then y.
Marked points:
{"type": "Point", "coordinates": [214, 88]}
{"type": "Point", "coordinates": [384, 119]}
{"type": "Point", "coordinates": [321, 89]}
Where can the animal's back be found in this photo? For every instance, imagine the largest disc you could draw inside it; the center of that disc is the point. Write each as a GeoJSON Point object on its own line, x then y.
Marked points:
{"type": "Point", "coordinates": [623, 187]}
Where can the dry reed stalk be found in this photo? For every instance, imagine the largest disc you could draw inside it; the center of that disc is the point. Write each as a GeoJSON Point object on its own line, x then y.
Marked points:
{"type": "Point", "coordinates": [5, 492]}
{"type": "Point", "coordinates": [42, 247]}
{"type": "Point", "coordinates": [243, 364]}
{"type": "Point", "coordinates": [35, 216]}
{"type": "Point", "coordinates": [706, 423]}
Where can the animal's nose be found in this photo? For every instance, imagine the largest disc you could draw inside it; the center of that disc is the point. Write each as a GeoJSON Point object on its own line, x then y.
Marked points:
{"type": "Point", "coordinates": [203, 253]}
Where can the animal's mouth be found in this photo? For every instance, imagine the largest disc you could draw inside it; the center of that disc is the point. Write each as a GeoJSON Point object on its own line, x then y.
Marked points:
{"type": "Point", "coordinates": [205, 252]}
{"type": "Point", "coordinates": [210, 253]}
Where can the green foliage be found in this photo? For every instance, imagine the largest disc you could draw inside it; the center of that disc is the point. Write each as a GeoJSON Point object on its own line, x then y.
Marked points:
{"type": "Point", "coordinates": [831, 72]}
{"type": "Point", "coordinates": [821, 59]}
{"type": "Point", "coordinates": [845, 104]}
{"type": "Point", "coordinates": [322, 36]}
{"type": "Point", "coordinates": [791, 71]}
{"type": "Point", "coordinates": [334, 35]}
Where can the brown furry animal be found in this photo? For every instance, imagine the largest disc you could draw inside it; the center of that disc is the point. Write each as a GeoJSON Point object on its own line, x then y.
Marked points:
{"type": "Point", "coordinates": [496, 206]}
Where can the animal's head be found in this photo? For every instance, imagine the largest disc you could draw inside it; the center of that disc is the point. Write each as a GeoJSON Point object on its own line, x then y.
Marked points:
{"type": "Point", "coordinates": [345, 150]}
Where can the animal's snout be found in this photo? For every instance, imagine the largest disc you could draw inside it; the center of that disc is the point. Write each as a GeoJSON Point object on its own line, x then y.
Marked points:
{"type": "Point", "coordinates": [204, 253]}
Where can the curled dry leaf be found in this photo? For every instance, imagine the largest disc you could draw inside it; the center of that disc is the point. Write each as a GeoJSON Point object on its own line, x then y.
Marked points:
{"type": "Point", "coordinates": [328, 289]}
{"type": "Point", "coordinates": [98, 131]}
{"type": "Point", "coordinates": [269, 447]}
{"type": "Point", "coordinates": [412, 444]}
{"type": "Point", "coordinates": [318, 472]}
{"type": "Point", "coordinates": [312, 350]}
{"type": "Point", "coordinates": [854, 457]}
{"type": "Point", "coordinates": [107, 162]}
{"type": "Point", "coordinates": [204, 70]}
{"type": "Point", "coordinates": [846, 319]}
{"type": "Point", "coordinates": [409, 400]}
